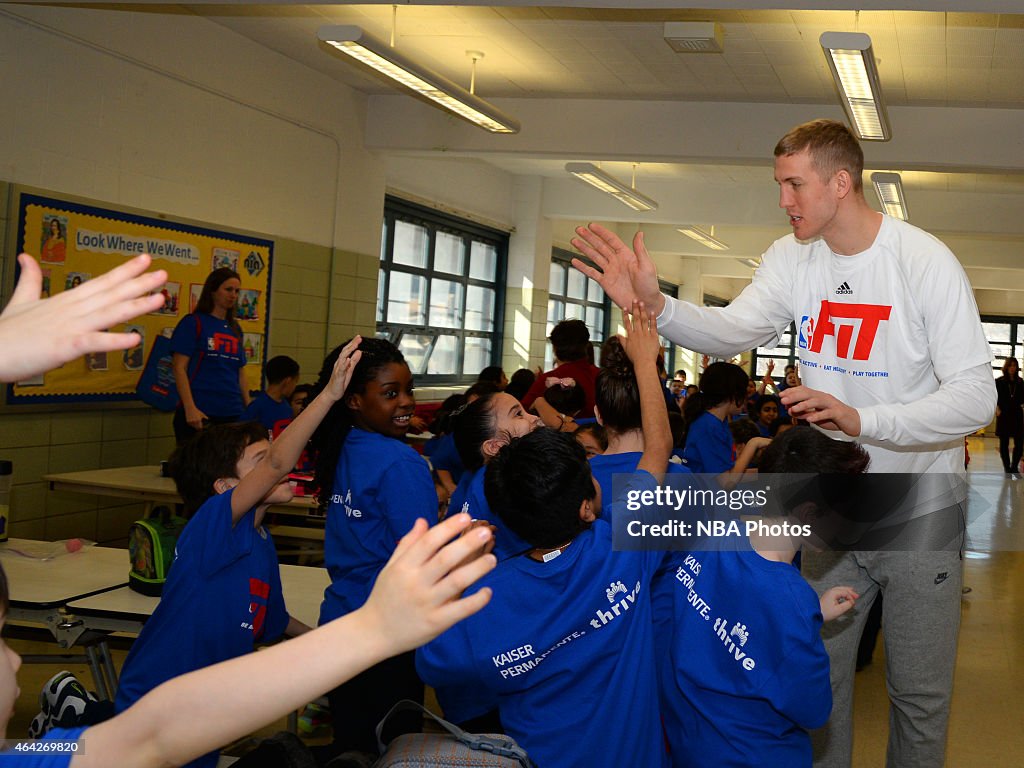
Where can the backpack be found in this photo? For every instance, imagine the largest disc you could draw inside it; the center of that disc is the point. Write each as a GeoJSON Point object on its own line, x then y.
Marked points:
{"type": "Point", "coordinates": [453, 747]}
{"type": "Point", "coordinates": [156, 385]}
{"type": "Point", "coordinates": [151, 543]}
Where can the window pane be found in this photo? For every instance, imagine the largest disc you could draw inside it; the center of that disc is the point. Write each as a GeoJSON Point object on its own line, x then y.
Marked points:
{"type": "Point", "coordinates": [1000, 351]}
{"type": "Point", "coordinates": [783, 350]}
{"type": "Point", "coordinates": [574, 312]}
{"type": "Point", "coordinates": [383, 240]}
{"type": "Point", "coordinates": [996, 331]}
{"type": "Point", "coordinates": [444, 358]}
{"type": "Point", "coordinates": [556, 311]}
{"type": "Point", "coordinates": [777, 372]}
{"type": "Point", "coordinates": [445, 304]}
{"type": "Point", "coordinates": [415, 347]}
{"type": "Point", "coordinates": [594, 291]}
{"type": "Point", "coordinates": [557, 279]}
{"type": "Point", "coordinates": [595, 322]}
{"type": "Point", "coordinates": [477, 355]}
{"type": "Point", "coordinates": [407, 296]}
{"type": "Point", "coordinates": [381, 278]}
{"type": "Point", "coordinates": [448, 253]}
{"type": "Point", "coordinates": [479, 311]}
{"type": "Point", "coordinates": [412, 243]}
{"type": "Point", "coordinates": [577, 288]}
{"type": "Point", "coordinates": [483, 261]}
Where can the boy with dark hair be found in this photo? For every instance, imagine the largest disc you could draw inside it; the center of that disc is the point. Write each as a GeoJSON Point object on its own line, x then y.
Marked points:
{"type": "Point", "coordinates": [570, 342]}
{"type": "Point", "coordinates": [223, 592]}
{"type": "Point", "coordinates": [272, 404]}
{"type": "Point", "coordinates": [566, 645]}
{"type": "Point", "coordinates": [744, 682]}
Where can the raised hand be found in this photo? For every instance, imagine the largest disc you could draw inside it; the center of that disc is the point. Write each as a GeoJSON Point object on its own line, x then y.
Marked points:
{"type": "Point", "coordinates": [641, 342]}
{"type": "Point", "coordinates": [37, 335]}
{"type": "Point", "coordinates": [625, 275]}
{"type": "Point", "coordinates": [344, 366]}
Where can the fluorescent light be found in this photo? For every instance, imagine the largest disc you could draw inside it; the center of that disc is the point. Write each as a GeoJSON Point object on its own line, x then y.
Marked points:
{"type": "Point", "coordinates": [889, 187]}
{"type": "Point", "coordinates": [608, 184]}
{"type": "Point", "coordinates": [752, 263]}
{"type": "Point", "coordinates": [852, 61]}
{"type": "Point", "coordinates": [702, 237]}
{"type": "Point", "coordinates": [383, 58]}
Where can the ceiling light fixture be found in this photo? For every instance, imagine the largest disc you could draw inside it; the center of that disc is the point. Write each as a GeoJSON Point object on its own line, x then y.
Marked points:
{"type": "Point", "coordinates": [752, 263]}
{"type": "Point", "coordinates": [852, 61]}
{"type": "Point", "coordinates": [702, 237]}
{"type": "Point", "coordinates": [356, 43]}
{"type": "Point", "coordinates": [889, 187]}
{"type": "Point", "coordinates": [608, 184]}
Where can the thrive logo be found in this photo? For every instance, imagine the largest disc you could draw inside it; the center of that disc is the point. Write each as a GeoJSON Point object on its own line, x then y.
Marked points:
{"type": "Point", "coordinates": [740, 633]}
{"type": "Point", "coordinates": [844, 290]}
{"type": "Point", "coordinates": [617, 608]}
{"type": "Point", "coordinates": [731, 646]}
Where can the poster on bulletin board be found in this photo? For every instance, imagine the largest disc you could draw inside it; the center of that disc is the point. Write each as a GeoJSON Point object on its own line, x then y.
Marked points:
{"type": "Point", "coordinates": [75, 242]}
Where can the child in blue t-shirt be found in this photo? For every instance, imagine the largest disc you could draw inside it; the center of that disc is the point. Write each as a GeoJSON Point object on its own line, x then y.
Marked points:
{"type": "Point", "coordinates": [374, 486]}
{"type": "Point", "coordinates": [618, 410]}
{"type": "Point", "coordinates": [709, 447]}
{"type": "Point", "coordinates": [566, 644]}
{"type": "Point", "coordinates": [273, 405]}
{"type": "Point", "coordinates": [223, 592]}
{"type": "Point", "coordinates": [746, 676]}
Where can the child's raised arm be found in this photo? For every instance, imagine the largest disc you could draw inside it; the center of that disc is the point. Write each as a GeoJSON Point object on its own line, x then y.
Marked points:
{"type": "Point", "coordinates": [643, 346]}
{"type": "Point", "coordinates": [416, 597]}
{"type": "Point", "coordinates": [286, 449]}
{"type": "Point", "coordinates": [38, 335]}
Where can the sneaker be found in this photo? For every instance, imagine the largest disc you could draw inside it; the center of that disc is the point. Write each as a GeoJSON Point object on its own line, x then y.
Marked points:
{"type": "Point", "coordinates": [68, 700]}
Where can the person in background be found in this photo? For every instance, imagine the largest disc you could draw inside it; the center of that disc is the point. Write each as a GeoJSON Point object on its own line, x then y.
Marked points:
{"type": "Point", "coordinates": [680, 375]}
{"type": "Point", "coordinates": [1009, 415]}
{"type": "Point", "coordinates": [520, 383]}
{"type": "Point", "coordinates": [766, 415]}
{"type": "Point", "coordinates": [593, 438]}
{"type": "Point", "coordinates": [273, 405]}
{"type": "Point", "coordinates": [570, 340]}
{"type": "Point", "coordinates": [494, 374]}
{"type": "Point", "coordinates": [300, 396]}
{"type": "Point", "coordinates": [208, 359]}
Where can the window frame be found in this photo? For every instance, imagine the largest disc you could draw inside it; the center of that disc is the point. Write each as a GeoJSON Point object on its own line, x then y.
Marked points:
{"type": "Point", "coordinates": [1016, 340]}
{"type": "Point", "coordinates": [397, 209]}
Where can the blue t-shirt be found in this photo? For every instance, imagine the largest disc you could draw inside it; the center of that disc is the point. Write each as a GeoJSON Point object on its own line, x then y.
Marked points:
{"type": "Point", "coordinates": [469, 497]}
{"type": "Point", "coordinates": [605, 466]}
{"type": "Point", "coordinates": [567, 648]}
{"type": "Point", "coordinates": [709, 447]}
{"type": "Point", "coordinates": [745, 671]}
{"type": "Point", "coordinates": [266, 410]}
{"type": "Point", "coordinates": [381, 487]}
{"type": "Point", "coordinates": [215, 355]}
{"type": "Point", "coordinates": [222, 595]}
{"type": "Point", "coordinates": [46, 759]}
{"type": "Point", "coordinates": [446, 456]}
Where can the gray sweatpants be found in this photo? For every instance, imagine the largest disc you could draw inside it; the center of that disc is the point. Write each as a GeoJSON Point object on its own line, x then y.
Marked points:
{"type": "Point", "coordinates": [921, 621]}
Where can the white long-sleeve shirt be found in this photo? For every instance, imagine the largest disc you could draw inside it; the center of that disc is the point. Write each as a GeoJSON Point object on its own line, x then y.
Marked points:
{"type": "Point", "coordinates": [893, 331]}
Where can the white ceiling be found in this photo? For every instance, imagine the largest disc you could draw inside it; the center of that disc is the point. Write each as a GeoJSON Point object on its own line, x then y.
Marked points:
{"type": "Point", "coordinates": [597, 84]}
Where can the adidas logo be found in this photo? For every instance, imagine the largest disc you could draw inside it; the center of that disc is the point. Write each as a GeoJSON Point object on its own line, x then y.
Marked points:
{"type": "Point", "coordinates": [844, 290]}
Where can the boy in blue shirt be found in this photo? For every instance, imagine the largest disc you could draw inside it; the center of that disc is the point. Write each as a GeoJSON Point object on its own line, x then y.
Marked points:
{"type": "Point", "coordinates": [743, 683]}
{"type": "Point", "coordinates": [273, 405]}
{"type": "Point", "coordinates": [223, 592]}
{"type": "Point", "coordinates": [566, 644]}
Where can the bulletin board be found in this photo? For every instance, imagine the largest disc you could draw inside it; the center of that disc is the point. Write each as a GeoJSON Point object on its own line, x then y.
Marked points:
{"type": "Point", "coordinates": [75, 242]}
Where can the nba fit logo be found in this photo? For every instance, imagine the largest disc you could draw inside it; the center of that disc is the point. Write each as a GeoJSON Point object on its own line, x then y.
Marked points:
{"type": "Point", "coordinates": [223, 342]}
{"type": "Point", "coordinates": [853, 325]}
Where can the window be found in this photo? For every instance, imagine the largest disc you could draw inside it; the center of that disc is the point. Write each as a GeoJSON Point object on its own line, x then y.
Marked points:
{"type": "Point", "coordinates": [782, 354]}
{"type": "Point", "coordinates": [440, 296]}
{"type": "Point", "coordinates": [574, 296]}
{"type": "Point", "coordinates": [671, 362]}
{"type": "Point", "coordinates": [1005, 337]}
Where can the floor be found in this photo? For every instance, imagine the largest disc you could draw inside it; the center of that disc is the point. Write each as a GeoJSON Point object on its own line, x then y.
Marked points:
{"type": "Point", "coordinates": [987, 723]}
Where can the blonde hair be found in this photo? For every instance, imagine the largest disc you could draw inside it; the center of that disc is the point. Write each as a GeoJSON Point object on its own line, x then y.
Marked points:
{"type": "Point", "coordinates": [831, 146]}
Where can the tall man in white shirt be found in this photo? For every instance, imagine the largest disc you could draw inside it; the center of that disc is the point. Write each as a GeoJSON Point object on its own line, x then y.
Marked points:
{"type": "Point", "coordinates": [892, 354]}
